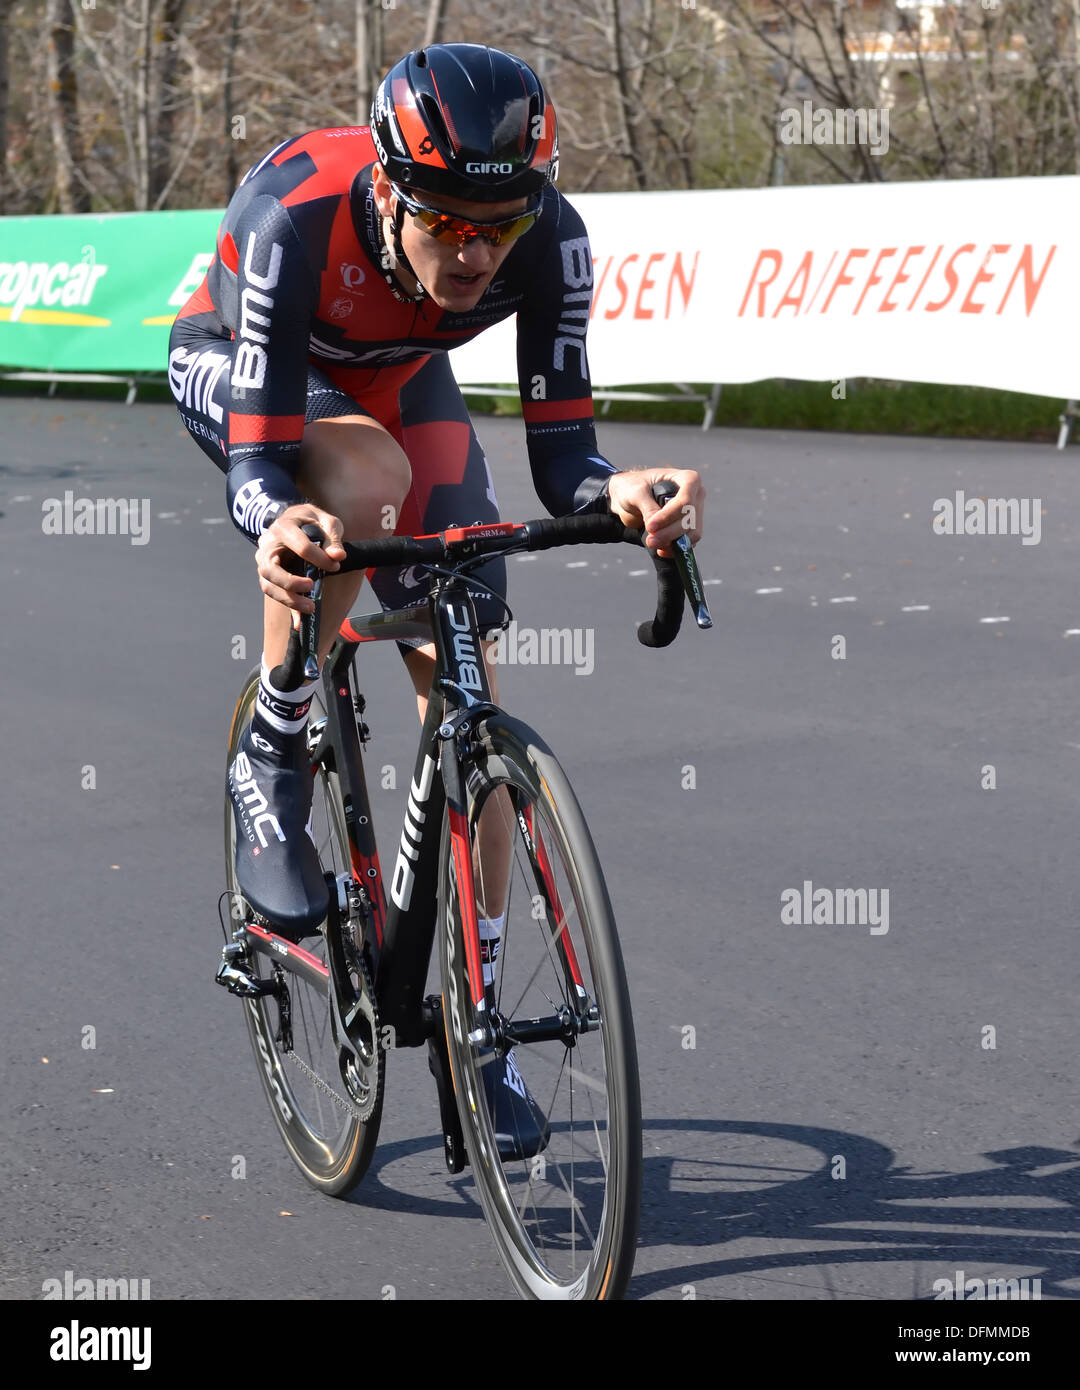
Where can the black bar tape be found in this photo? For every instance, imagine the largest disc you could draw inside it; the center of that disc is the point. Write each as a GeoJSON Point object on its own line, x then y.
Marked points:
{"type": "Point", "coordinates": [578, 530]}
{"type": "Point", "coordinates": [670, 600]}
{"type": "Point", "coordinates": [390, 550]}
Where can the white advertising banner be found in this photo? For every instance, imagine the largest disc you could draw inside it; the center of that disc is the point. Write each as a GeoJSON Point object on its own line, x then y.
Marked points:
{"type": "Point", "coordinates": [964, 282]}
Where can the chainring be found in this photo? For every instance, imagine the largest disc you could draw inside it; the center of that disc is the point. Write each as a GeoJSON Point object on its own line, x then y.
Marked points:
{"type": "Point", "coordinates": [358, 1063]}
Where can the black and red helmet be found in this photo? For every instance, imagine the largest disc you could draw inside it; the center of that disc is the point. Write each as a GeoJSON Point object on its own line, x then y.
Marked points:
{"type": "Point", "coordinates": [468, 122]}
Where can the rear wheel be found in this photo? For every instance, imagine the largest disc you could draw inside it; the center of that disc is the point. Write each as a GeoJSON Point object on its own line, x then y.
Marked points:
{"type": "Point", "coordinates": [565, 1220]}
{"type": "Point", "coordinates": [328, 1120]}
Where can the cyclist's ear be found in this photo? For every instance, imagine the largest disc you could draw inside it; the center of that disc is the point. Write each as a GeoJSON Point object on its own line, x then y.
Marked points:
{"type": "Point", "coordinates": [380, 186]}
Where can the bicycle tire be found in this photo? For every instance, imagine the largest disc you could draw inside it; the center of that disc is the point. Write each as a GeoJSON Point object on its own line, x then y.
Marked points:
{"type": "Point", "coordinates": [318, 1123]}
{"type": "Point", "coordinates": [538, 1241]}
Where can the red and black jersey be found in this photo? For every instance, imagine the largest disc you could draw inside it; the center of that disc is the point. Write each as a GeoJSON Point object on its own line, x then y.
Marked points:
{"type": "Point", "coordinates": [296, 279]}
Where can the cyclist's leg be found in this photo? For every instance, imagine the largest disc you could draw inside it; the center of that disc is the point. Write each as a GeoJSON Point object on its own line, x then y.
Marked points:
{"type": "Point", "coordinates": [352, 467]}
{"type": "Point", "coordinates": [452, 486]}
{"type": "Point", "coordinates": [349, 463]}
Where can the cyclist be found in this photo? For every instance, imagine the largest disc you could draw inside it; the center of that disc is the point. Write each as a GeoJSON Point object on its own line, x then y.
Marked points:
{"type": "Point", "coordinates": [310, 366]}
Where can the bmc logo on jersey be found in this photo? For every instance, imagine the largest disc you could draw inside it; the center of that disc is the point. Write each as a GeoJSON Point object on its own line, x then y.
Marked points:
{"type": "Point", "coordinates": [489, 168]}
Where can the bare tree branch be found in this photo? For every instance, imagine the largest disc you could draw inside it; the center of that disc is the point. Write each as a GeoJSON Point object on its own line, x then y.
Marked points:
{"type": "Point", "coordinates": [196, 126]}
{"type": "Point", "coordinates": [433, 27]}
{"type": "Point", "coordinates": [627, 112]}
{"type": "Point", "coordinates": [64, 108]}
{"type": "Point", "coordinates": [166, 102]}
{"type": "Point", "coordinates": [5, 14]}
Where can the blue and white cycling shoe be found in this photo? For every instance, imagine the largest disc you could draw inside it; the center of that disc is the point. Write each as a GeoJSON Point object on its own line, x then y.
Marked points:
{"type": "Point", "coordinates": [277, 867]}
{"type": "Point", "coordinates": [520, 1125]}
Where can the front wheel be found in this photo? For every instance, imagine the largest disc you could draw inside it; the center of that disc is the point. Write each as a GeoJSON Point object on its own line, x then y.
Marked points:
{"type": "Point", "coordinates": [564, 1217]}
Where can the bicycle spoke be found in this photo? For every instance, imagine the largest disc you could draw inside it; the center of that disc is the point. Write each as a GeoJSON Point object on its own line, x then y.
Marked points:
{"type": "Point", "coordinates": [550, 938]}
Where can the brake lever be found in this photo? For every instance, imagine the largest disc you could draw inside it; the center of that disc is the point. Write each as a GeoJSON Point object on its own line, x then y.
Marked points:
{"type": "Point", "coordinates": [690, 575]}
{"type": "Point", "coordinates": [685, 561]}
{"type": "Point", "coordinates": [309, 622]}
{"type": "Point", "coordinates": [309, 626]}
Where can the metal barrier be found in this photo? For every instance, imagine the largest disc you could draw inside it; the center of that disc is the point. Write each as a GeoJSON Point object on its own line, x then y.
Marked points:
{"type": "Point", "coordinates": [56, 378]}
{"type": "Point", "coordinates": [132, 380]}
{"type": "Point", "coordinates": [685, 393]}
{"type": "Point", "coordinates": [1065, 420]}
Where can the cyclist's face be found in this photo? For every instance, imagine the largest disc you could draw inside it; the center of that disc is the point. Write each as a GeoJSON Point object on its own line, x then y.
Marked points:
{"type": "Point", "coordinates": [454, 276]}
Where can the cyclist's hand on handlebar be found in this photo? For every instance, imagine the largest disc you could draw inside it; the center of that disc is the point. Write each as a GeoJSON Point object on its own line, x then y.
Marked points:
{"type": "Point", "coordinates": [631, 500]}
{"type": "Point", "coordinates": [283, 540]}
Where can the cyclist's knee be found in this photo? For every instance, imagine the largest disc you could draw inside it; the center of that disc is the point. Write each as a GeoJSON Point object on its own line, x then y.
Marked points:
{"type": "Point", "coordinates": [420, 662]}
{"type": "Point", "coordinates": [358, 472]}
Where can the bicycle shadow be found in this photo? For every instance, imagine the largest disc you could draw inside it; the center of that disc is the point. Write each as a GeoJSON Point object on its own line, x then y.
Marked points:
{"type": "Point", "coordinates": [876, 1213]}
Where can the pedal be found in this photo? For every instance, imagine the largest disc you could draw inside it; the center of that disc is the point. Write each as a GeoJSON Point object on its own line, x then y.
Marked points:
{"type": "Point", "coordinates": [439, 1066]}
{"type": "Point", "coordinates": [235, 978]}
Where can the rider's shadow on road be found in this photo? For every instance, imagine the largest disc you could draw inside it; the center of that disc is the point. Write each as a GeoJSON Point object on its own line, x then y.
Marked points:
{"type": "Point", "coordinates": [845, 1197]}
{"type": "Point", "coordinates": [711, 1183]}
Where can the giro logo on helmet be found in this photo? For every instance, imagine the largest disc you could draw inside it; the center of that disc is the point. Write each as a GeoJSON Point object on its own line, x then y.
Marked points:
{"type": "Point", "coordinates": [461, 120]}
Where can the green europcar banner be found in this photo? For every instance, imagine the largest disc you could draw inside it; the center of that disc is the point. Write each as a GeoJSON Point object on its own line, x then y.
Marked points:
{"type": "Point", "coordinates": [98, 293]}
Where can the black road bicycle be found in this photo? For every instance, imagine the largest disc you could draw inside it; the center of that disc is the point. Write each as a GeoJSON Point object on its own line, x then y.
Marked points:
{"type": "Point", "coordinates": [323, 1015]}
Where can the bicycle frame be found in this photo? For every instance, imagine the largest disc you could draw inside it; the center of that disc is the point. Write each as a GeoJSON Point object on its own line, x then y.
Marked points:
{"type": "Point", "coordinates": [404, 927]}
{"type": "Point", "coordinates": [374, 986]}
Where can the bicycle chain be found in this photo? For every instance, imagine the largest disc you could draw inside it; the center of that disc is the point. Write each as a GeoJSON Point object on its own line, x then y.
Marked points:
{"type": "Point", "coordinates": [348, 1106]}
{"type": "Point", "coordinates": [359, 964]}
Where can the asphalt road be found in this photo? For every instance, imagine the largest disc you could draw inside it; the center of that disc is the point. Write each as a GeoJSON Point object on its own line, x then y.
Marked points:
{"type": "Point", "coordinates": [861, 1112]}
